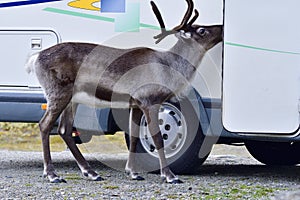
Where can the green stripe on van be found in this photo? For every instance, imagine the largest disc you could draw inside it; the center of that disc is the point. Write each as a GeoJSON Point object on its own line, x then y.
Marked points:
{"type": "Point", "coordinates": [77, 14]}
{"type": "Point", "coordinates": [260, 49]}
{"type": "Point", "coordinates": [96, 17]}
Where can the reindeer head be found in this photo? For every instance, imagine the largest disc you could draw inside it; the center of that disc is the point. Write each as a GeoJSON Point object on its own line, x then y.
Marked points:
{"type": "Point", "coordinates": [206, 36]}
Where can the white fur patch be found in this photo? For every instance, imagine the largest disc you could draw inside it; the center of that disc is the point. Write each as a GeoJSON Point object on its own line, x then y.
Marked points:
{"type": "Point", "coordinates": [84, 98]}
{"type": "Point", "coordinates": [30, 64]}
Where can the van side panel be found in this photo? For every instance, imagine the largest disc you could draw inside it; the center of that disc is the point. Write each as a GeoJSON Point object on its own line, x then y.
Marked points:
{"type": "Point", "coordinates": [261, 73]}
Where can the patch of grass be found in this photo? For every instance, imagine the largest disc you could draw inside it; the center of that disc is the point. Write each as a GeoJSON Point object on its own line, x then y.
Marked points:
{"type": "Point", "coordinates": [106, 144]}
{"type": "Point", "coordinates": [263, 191]}
{"type": "Point", "coordinates": [241, 191]}
{"type": "Point", "coordinates": [26, 137]}
{"type": "Point", "coordinates": [16, 136]}
{"type": "Point", "coordinates": [111, 187]}
{"type": "Point", "coordinates": [55, 188]}
{"type": "Point", "coordinates": [73, 177]}
{"type": "Point", "coordinates": [172, 196]}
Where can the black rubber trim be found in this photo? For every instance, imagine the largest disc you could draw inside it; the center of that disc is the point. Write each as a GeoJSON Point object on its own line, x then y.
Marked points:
{"type": "Point", "coordinates": [22, 97]}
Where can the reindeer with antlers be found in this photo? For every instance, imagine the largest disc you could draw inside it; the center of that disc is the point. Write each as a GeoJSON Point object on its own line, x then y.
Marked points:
{"type": "Point", "coordinates": [140, 79]}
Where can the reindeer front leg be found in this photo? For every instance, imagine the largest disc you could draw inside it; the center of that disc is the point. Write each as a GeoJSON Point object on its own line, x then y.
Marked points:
{"type": "Point", "coordinates": [151, 114]}
{"type": "Point", "coordinates": [135, 119]}
{"type": "Point", "coordinates": [65, 130]}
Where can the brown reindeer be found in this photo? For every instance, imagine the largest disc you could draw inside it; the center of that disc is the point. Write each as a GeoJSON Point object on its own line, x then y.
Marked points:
{"type": "Point", "coordinates": [139, 78]}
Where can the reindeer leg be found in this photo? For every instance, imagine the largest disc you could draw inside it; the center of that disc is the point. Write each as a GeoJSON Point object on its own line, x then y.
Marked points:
{"type": "Point", "coordinates": [152, 119]}
{"type": "Point", "coordinates": [65, 130]}
{"type": "Point", "coordinates": [46, 124]}
{"type": "Point", "coordinates": [135, 119]}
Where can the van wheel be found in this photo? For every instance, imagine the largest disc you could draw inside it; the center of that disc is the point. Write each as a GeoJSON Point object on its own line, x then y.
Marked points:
{"type": "Point", "coordinates": [275, 153]}
{"type": "Point", "coordinates": [182, 137]}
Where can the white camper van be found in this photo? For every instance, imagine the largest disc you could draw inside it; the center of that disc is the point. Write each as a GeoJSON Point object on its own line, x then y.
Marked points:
{"type": "Point", "coordinates": [246, 91]}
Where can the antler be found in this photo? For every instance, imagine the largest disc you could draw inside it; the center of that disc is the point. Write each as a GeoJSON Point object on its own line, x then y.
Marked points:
{"type": "Point", "coordinates": [183, 25]}
{"type": "Point", "coordinates": [194, 18]}
{"type": "Point", "coordinates": [164, 33]}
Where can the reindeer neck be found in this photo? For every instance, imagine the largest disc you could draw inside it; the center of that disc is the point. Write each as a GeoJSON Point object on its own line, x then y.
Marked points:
{"type": "Point", "coordinates": [191, 51]}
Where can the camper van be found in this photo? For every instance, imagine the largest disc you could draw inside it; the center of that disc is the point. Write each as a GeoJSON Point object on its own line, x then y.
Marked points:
{"type": "Point", "coordinates": [246, 90]}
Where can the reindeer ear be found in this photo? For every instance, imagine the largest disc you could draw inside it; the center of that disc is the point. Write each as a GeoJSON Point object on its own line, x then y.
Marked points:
{"type": "Point", "coordinates": [185, 35]}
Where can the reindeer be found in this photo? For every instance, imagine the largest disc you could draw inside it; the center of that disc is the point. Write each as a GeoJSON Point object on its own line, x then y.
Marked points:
{"type": "Point", "coordinates": [139, 78]}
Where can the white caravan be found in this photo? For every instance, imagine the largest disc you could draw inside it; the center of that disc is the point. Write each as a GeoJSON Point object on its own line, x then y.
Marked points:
{"type": "Point", "coordinates": [245, 92]}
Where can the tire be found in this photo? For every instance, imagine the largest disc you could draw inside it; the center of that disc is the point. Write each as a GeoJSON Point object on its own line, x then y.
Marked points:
{"type": "Point", "coordinates": [275, 153]}
{"type": "Point", "coordinates": [182, 136]}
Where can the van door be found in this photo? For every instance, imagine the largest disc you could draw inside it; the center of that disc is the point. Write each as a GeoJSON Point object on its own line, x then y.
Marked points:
{"type": "Point", "coordinates": [15, 48]}
{"type": "Point", "coordinates": [261, 77]}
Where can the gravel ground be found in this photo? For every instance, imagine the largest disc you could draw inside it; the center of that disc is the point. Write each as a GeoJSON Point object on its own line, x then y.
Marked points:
{"type": "Point", "coordinates": [229, 173]}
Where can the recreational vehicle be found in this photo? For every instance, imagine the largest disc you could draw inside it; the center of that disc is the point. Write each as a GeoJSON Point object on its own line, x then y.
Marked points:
{"type": "Point", "coordinates": [246, 90]}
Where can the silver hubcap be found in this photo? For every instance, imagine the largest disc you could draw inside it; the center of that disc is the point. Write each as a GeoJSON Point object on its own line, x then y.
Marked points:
{"type": "Point", "coordinates": [173, 129]}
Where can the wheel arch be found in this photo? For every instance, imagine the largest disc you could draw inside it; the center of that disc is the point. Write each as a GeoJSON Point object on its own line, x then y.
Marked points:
{"type": "Point", "coordinates": [204, 123]}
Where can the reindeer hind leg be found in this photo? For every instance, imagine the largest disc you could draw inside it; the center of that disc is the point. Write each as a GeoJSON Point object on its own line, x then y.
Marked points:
{"type": "Point", "coordinates": [65, 130]}
{"type": "Point", "coordinates": [46, 125]}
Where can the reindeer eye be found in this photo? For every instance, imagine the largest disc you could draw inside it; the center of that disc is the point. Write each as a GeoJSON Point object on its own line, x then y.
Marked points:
{"type": "Point", "coordinates": [201, 31]}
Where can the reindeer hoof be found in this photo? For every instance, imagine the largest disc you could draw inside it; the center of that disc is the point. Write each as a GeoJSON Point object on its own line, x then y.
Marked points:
{"type": "Point", "coordinates": [98, 178]}
{"type": "Point", "coordinates": [171, 181]}
{"type": "Point", "coordinates": [92, 175]}
{"type": "Point", "coordinates": [138, 178]}
{"type": "Point", "coordinates": [58, 180]}
{"type": "Point", "coordinates": [135, 176]}
{"type": "Point", "coordinates": [176, 181]}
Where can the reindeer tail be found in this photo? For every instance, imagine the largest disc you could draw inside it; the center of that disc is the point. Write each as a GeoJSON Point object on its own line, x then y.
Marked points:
{"type": "Point", "coordinates": [30, 64]}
